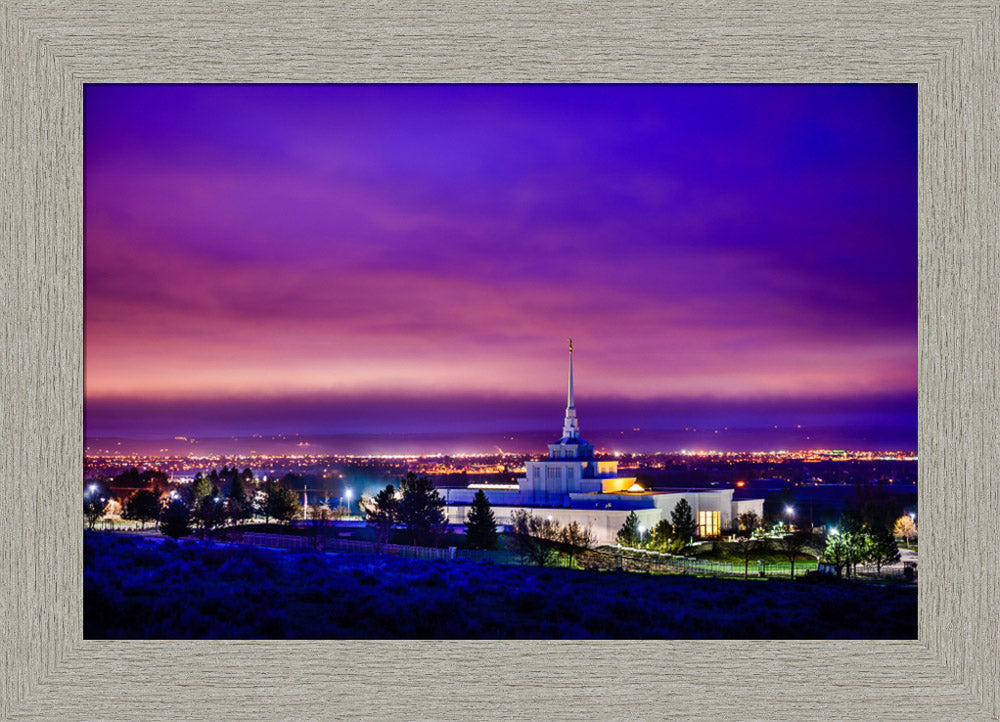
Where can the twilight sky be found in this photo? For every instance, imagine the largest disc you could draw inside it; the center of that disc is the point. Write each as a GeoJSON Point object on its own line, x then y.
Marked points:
{"type": "Point", "coordinates": [265, 259]}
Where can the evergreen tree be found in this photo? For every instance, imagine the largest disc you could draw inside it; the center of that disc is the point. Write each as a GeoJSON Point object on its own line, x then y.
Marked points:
{"type": "Point", "coordinates": [267, 491]}
{"type": "Point", "coordinates": [381, 513]}
{"type": "Point", "coordinates": [883, 548]}
{"type": "Point", "coordinates": [209, 514]}
{"type": "Point", "coordinates": [662, 537]}
{"type": "Point", "coordinates": [628, 535]}
{"type": "Point", "coordinates": [142, 506]}
{"type": "Point", "coordinates": [683, 521]}
{"type": "Point", "coordinates": [421, 510]}
{"type": "Point", "coordinates": [481, 525]}
{"type": "Point", "coordinates": [238, 505]}
{"type": "Point", "coordinates": [282, 503]}
{"type": "Point", "coordinates": [175, 519]}
{"type": "Point", "coordinates": [200, 488]}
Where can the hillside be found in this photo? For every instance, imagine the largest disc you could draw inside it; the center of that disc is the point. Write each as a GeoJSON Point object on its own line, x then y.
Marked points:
{"type": "Point", "coordinates": [143, 588]}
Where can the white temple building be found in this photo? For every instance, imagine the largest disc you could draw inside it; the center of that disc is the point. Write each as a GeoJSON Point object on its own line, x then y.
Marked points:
{"type": "Point", "coordinates": [572, 486]}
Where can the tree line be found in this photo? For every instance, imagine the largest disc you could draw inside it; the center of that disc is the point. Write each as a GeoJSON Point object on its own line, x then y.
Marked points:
{"type": "Point", "coordinates": [209, 503]}
{"type": "Point", "coordinates": [857, 539]}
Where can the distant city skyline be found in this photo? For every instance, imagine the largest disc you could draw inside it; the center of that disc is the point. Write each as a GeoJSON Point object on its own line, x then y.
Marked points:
{"type": "Point", "coordinates": [398, 259]}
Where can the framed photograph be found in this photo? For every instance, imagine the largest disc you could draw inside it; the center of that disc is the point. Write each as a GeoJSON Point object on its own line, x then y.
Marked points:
{"type": "Point", "coordinates": [326, 376]}
{"type": "Point", "coordinates": [55, 58]}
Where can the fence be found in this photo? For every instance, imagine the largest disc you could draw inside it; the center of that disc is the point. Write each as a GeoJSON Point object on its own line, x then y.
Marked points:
{"type": "Point", "coordinates": [642, 560]}
{"type": "Point", "coordinates": [343, 546]}
{"type": "Point", "coordinates": [622, 558]}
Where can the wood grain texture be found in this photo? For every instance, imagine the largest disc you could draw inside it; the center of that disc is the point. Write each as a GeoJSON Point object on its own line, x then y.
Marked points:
{"type": "Point", "coordinates": [47, 50]}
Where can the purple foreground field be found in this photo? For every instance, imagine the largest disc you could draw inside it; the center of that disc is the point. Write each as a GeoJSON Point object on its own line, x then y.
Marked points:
{"type": "Point", "coordinates": [146, 589]}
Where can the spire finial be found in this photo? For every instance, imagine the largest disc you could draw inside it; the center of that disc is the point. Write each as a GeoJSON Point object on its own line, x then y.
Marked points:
{"type": "Point", "coordinates": [571, 428]}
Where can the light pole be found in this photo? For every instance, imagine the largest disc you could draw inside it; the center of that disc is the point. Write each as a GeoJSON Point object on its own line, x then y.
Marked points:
{"type": "Point", "coordinates": [347, 495]}
{"type": "Point", "coordinates": [788, 513]}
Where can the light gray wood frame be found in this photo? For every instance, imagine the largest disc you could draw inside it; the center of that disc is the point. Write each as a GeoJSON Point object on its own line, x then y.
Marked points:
{"type": "Point", "coordinates": [48, 50]}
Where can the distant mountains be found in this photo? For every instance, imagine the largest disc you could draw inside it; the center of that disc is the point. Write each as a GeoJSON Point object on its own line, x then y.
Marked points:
{"type": "Point", "coordinates": [632, 440]}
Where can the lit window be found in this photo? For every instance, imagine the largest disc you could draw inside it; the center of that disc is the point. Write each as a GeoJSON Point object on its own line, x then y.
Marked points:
{"type": "Point", "coordinates": [709, 523]}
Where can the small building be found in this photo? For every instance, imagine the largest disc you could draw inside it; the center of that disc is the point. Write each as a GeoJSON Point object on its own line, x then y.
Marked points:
{"type": "Point", "coordinates": [573, 486]}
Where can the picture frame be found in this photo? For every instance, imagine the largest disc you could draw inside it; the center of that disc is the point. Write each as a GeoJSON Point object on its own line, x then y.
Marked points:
{"type": "Point", "coordinates": [48, 51]}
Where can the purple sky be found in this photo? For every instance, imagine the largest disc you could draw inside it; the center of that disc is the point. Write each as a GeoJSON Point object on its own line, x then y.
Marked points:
{"type": "Point", "coordinates": [397, 258]}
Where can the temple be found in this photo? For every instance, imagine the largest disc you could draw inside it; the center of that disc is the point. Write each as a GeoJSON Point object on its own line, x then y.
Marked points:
{"type": "Point", "coordinates": [572, 486]}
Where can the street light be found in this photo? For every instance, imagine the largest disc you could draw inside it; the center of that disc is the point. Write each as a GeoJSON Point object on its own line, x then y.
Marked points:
{"type": "Point", "coordinates": [642, 533]}
{"type": "Point", "coordinates": [347, 494]}
{"type": "Point", "coordinates": [788, 512]}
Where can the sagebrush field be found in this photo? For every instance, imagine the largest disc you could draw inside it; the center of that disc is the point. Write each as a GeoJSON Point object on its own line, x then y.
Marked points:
{"type": "Point", "coordinates": [145, 588]}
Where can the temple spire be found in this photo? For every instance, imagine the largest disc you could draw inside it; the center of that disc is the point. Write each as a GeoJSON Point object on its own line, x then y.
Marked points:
{"type": "Point", "coordinates": [571, 428]}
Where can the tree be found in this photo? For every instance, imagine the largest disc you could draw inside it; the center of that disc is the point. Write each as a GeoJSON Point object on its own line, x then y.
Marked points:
{"type": "Point", "coordinates": [238, 504]}
{"type": "Point", "coordinates": [883, 549]}
{"type": "Point", "coordinates": [209, 514]}
{"type": "Point", "coordinates": [748, 522]}
{"type": "Point", "coordinates": [628, 535]}
{"type": "Point", "coordinates": [200, 488]}
{"type": "Point", "coordinates": [481, 525]}
{"type": "Point", "coordinates": [283, 504]}
{"type": "Point", "coordinates": [96, 500]}
{"type": "Point", "coordinates": [577, 539]}
{"type": "Point", "coordinates": [421, 510]}
{"type": "Point", "coordinates": [905, 527]}
{"type": "Point", "coordinates": [792, 545]}
{"type": "Point", "coordinates": [263, 497]}
{"type": "Point", "coordinates": [683, 520]}
{"type": "Point", "coordinates": [856, 538]}
{"type": "Point", "coordinates": [662, 537]}
{"type": "Point", "coordinates": [175, 519]}
{"type": "Point", "coordinates": [534, 537]}
{"type": "Point", "coordinates": [142, 506]}
{"type": "Point", "coordinates": [279, 502]}
{"type": "Point", "coordinates": [746, 540]}
{"type": "Point", "coordinates": [381, 513]}
{"type": "Point", "coordinates": [94, 505]}
{"type": "Point", "coordinates": [836, 551]}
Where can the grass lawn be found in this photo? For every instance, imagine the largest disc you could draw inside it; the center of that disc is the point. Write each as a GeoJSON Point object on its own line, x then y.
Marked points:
{"type": "Point", "coordinates": [768, 552]}
{"type": "Point", "coordinates": [145, 588]}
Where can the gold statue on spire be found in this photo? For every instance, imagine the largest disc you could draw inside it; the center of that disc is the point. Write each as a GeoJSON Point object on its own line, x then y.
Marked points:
{"type": "Point", "coordinates": [570, 345]}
